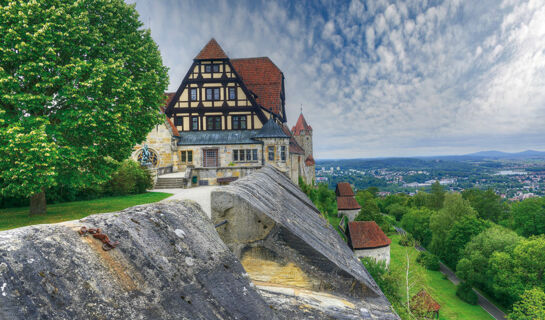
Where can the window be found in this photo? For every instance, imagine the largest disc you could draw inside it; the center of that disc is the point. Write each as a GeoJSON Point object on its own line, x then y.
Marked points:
{"type": "Point", "coordinates": [245, 155]}
{"type": "Point", "coordinates": [194, 123]}
{"type": "Point", "coordinates": [270, 150]}
{"type": "Point", "coordinates": [232, 93]}
{"type": "Point", "coordinates": [193, 94]}
{"type": "Point", "coordinates": [208, 68]}
{"type": "Point", "coordinates": [238, 122]}
{"type": "Point", "coordinates": [283, 153]}
{"type": "Point", "coordinates": [213, 123]}
{"type": "Point", "coordinates": [186, 156]}
{"type": "Point", "coordinates": [210, 158]}
{"type": "Point", "coordinates": [212, 94]}
{"type": "Point", "coordinates": [178, 121]}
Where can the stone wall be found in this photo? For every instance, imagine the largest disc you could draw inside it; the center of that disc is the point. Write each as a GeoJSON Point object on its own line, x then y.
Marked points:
{"type": "Point", "coordinates": [160, 141]}
{"type": "Point", "coordinates": [380, 254]}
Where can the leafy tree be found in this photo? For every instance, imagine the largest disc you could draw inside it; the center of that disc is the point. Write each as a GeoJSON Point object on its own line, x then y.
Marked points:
{"type": "Point", "coordinates": [455, 207]}
{"type": "Point", "coordinates": [417, 222]}
{"type": "Point", "coordinates": [419, 200]}
{"type": "Point", "coordinates": [529, 216]}
{"type": "Point", "coordinates": [428, 260]}
{"type": "Point", "coordinates": [474, 263]}
{"type": "Point", "coordinates": [530, 306]}
{"type": "Point", "coordinates": [514, 272]}
{"type": "Point", "coordinates": [398, 198]}
{"type": "Point", "coordinates": [465, 292]}
{"type": "Point", "coordinates": [81, 84]}
{"type": "Point", "coordinates": [459, 235]}
{"type": "Point", "coordinates": [397, 210]}
{"type": "Point", "coordinates": [436, 197]}
{"type": "Point", "coordinates": [487, 203]}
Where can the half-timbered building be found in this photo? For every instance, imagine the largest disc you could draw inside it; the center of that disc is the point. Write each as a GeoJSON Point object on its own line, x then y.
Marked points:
{"type": "Point", "coordinates": [227, 119]}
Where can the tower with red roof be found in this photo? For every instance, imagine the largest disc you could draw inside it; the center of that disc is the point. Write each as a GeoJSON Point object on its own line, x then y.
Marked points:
{"type": "Point", "coordinates": [302, 133]}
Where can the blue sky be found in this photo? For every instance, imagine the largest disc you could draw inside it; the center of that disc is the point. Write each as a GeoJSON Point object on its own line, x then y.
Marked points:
{"type": "Point", "coordinates": [382, 78]}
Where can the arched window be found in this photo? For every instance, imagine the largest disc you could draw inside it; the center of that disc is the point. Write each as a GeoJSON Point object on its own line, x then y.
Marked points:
{"type": "Point", "coordinates": [153, 157]}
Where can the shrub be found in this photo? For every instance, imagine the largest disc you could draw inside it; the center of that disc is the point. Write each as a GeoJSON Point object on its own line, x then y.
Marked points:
{"type": "Point", "coordinates": [129, 178]}
{"type": "Point", "coordinates": [406, 240]}
{"type": "Point", "coordinates": [428, 260]}
{"type": "Point", "coordinates": [466, 293]}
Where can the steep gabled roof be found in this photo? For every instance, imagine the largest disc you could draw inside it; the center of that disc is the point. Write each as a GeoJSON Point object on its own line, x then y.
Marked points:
{"type": "Point", "coordinates": [422, 301]}
{"type": "Point", "coordinates": [262, 77]}
{"type": "Point", "coordinates": [295, 148]}
{"type": "Point", "coordinates": [347, 203]}
{"type": "Point", "coordinates": [211, 50]}
{"type": "Point", "coordinates": [344, 190]}
{"type": "Point", "coordinates": [367, 235]}
{"type": "Point", "coordinates": [301, 125]}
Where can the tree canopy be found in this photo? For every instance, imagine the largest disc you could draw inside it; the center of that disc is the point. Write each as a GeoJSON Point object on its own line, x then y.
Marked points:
{"type": "Point", "coordinates": [81, 83]}
{"type": "Point", "coordinates": [529, 216]}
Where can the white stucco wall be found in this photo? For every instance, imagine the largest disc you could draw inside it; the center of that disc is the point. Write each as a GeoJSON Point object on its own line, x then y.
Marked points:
{"type": "Point", "coordinates": [382, 253]}
{"type": "Point", "coordinates": [350, 214]}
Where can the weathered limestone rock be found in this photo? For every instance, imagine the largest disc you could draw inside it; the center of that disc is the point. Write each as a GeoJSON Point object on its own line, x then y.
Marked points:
{"type": "Point", "coordinates": [170, 264]}
{"type": "Point", "coordinates": [293, 256]}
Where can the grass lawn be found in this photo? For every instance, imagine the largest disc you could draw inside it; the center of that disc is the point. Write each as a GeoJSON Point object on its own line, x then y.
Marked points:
{"type": "Point", "coordinates": [437, 285]}
{"type": "Point", "coordinates": [18, 217]}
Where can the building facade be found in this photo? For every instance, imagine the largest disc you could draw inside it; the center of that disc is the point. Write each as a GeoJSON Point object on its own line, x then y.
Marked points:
{"type": "Point", "coordinates": [228, 119]}
{"type": "Point", "coordinates": [346, 201]}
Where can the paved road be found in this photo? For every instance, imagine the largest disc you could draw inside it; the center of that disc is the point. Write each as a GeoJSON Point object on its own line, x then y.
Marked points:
{"type": "Point", "coordinates": [482, 301]}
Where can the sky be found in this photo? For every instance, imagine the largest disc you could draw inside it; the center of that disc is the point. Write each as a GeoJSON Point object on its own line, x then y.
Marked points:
{"type": "Point", "coordinates": [381, 78]}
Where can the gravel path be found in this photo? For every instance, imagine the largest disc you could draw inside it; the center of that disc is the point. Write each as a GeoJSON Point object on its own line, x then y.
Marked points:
{"type": "Point", "coordinates": [201, 195]}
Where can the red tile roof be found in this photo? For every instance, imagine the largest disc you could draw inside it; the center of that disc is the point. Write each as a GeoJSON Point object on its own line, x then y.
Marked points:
{"type": "Point", "coordinates": [347, 203]}
{"type": "Point", "coordinates": [169, 96]}
{"type": "Point", "coordinates": [344, 190]}
{"type": "Point", "coordinates": [211, 50]}
{"type": "Point", "coordinates": [262, 77]}
{"type": "Point", "coordinates": [300, 126]}
{"type": "Point", "coordinates": [422, 301]}
{"type": "Point", "coordinates": [310, 161]}
{"type": "Point", "coordinates": [294, 146]}
{"type": "Point", "coordinates": [367, 235]}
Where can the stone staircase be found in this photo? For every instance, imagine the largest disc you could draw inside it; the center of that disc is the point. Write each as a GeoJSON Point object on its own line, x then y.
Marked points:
{"type": "Point", "coordinates": [170, 183]}
{"type": "Point", "coordinates": [172, 180]}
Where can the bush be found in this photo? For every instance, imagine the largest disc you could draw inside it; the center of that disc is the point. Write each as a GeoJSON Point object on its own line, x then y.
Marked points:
{"type": "Point", "coordinates": [406, 240]}
{"type": "Point", "coordinates": [428, 260]}
{"type": "Point", "coordinates": [130, 178]}
{"type": "Point", "coordinates": [466, 293]}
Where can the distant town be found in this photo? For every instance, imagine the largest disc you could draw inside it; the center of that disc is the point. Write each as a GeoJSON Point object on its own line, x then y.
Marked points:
{"type": "Point", "coordinates": [512, 176]}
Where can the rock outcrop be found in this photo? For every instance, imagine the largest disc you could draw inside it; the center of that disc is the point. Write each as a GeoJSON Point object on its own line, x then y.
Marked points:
{"type": "Point", "coordinates": [275, 258]}
{"type": "Point", "coordinates": [295, 258]}
{"type": "Point", "coordinates": [170, 264]}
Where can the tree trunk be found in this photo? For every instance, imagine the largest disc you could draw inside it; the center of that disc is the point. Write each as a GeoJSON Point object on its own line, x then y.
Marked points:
{"type": "Point", "coordinates": [37, 203]}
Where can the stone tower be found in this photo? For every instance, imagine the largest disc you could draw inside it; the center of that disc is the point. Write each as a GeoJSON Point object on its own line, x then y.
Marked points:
{"type": "Point", "coordinates": [302, 133]}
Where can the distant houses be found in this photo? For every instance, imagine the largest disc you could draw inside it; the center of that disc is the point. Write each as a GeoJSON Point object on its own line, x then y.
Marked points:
{"type": "Point", "coordinates": [346, 202]}
{"type": "Point", "coordinates": [367, 240]}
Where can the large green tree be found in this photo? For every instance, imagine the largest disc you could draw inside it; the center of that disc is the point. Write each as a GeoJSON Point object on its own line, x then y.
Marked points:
{"type": "Point", "coordinates": [531, 306]}
{"type": "Point", "coordinates": [454, 208]}
{"type": "Point", "coordinates": [514, 272]}
{"type": "Point", "coordinates": [436, 197]}
{"type": "Point", "coordinates": [474, 263]}
{"type": "Point", "coordinates": [417, 223]}
{"type": "Point", "coordinates": [459, 235]}
{"type": "Point", "coordinates": [529, 216]}
{"type": "Point", "coordinates": [487, 203]}
{"type": "Point", "coordinates": [80, 84]}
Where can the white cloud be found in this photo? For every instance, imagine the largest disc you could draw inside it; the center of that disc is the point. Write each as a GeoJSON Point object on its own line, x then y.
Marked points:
{"type": "Point", "coordinates": [380, 78]}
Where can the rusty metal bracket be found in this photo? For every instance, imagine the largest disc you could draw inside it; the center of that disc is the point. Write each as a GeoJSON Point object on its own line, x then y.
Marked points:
{"type": "Point", "coordinates": [107, 244]}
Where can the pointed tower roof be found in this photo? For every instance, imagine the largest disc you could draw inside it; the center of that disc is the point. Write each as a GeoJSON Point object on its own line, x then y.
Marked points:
{"type": "Point", "coordinates": [300, 126]}
{"type": "Point", "coordinates": [211, 50]}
